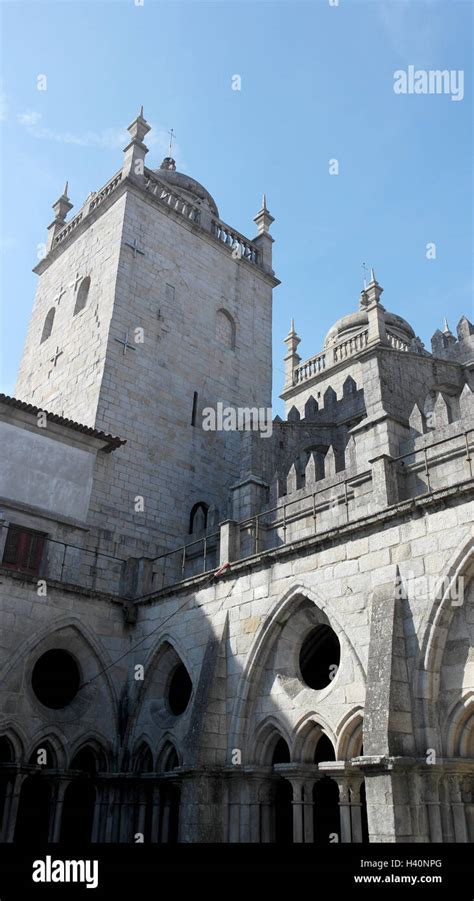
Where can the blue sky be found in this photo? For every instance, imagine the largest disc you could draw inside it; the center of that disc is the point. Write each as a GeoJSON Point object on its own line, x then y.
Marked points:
{"type": "Point", "coordinates": [316, 84]}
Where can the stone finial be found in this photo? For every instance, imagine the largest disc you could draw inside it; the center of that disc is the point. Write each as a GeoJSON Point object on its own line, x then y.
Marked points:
{"type": "Point", "coordinates": [62, 206]}
{"type": "Point", "coordinates": [263, 219]}
{"type": "Point", "coordinates": [139, 127]}
{"type": "Point", "coordinates": [292, 358]}
{"type": "Point", "coordinates": [373, 290]}
{"type": "Point", "coordinates": [446, 329]}
{"type": "Point", "coordinates": [136, 150]}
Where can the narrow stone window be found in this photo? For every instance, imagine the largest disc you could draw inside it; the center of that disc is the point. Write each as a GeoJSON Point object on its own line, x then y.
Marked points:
{"type": "Point", "coordinates": [48, 325]}
{"type": "Point", "coordinates": [225, 329]}
{"type": "Point", "coordinates": [82, 295]}
{"type": "Point", "coordinates": [198, 518]}
{"type": "Point", "coordinates": [194, 412]}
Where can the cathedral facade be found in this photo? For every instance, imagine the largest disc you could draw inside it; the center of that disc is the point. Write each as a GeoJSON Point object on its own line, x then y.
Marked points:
{"type": "Point", "coordinates": [228, 634]}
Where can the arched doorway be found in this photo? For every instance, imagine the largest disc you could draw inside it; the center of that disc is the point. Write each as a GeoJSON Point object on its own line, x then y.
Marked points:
{"type": "Point", "coordinates": [79, 800]}
{"type": "Point", "coordinates": [34, 812]}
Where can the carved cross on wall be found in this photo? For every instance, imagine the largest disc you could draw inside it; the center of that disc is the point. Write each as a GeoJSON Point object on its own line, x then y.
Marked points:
{"type": "Point", "coordinates": [75, 283]}
{"type": "Point", "coordinates": [55, 357]}
{"type": "Point", "coordinates": [125, 343]}
{"type": "Point", "coordinates": [135, 248]}
{"type": "Point", "coordinates": [60, 293]}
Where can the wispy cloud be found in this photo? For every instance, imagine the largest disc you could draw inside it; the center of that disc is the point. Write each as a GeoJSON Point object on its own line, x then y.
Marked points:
{"type": "Point", "coordinates": [157, 139]}
{"type": "Point", "coordinates": [30, 118]}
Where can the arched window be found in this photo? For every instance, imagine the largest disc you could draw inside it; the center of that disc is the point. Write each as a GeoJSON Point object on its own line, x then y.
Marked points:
{"type": "Point", "coordinates": [48, 325]}
{"type": "Point", "coordinates": [225, 329]}
{"type": "Point", "coordinates": [82, 294]}
{"type": "Point", "coordinates": [198, 518]}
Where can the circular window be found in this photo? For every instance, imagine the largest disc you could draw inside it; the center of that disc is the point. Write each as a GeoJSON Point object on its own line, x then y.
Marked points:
{"type": "Point", "coordinates": [319, 657]}
{"type": "Point", "coordinates": [55, 679]}
{"type": "Point", "coordinates": [179, 690]}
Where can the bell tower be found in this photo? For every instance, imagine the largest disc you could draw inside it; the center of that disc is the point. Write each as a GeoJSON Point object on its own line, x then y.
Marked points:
{"type": "Point", "coordinates": [149, 308]}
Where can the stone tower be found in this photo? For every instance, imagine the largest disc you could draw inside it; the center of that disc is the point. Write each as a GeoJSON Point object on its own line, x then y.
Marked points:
{"type": "Point", "coordinates": [148, 309]}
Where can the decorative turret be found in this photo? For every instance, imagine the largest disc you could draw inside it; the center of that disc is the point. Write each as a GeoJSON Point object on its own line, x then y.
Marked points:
{"type": "Point", "coordinates": [375, 310]}
{"type": "Point", "coordinates": [264, 240]}
{"type": "Point", "coordinates": [292, 357]}
{"type": "Point", "coordinates": [61, 208]}
{"type": "Point", "coordinates": [136, 150]}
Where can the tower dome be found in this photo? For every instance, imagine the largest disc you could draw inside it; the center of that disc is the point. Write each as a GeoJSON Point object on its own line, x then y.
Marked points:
{"type": "Point", "coordinates": [192, 189]}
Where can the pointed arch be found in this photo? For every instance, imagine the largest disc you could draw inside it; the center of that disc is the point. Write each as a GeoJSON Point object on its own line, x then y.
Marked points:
{"type": "Point", "coordinates": [309, 730]}
{"type": "Point", "coordinates": [226, 329]}
{"type": "Point", "coordinates": [48, 325]}
{"type": "Point", "coordinates": [97, 744]}
{"type": "Point", "coordinates": [54, 742]}
{"type": "Point", "coordinates": [264, 640]}
{"type": "Point", "coordinates": [349, 734]}
{"type": "Point", "coordinates": [267, 735]}
{"type": "Point", "coordinates": [168, 757]}
{"type": "Point", "coordinates": [82, 295]}
{"type": "Point", "coordinates": [198, 518]}
{"type": "Point", "coordinates": [81, 633]}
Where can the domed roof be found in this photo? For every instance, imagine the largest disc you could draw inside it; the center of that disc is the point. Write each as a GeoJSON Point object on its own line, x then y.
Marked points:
{"type": "Point", "coordinates": [356, 322]}
{"type": "Point", "coordinates": [196, 193]}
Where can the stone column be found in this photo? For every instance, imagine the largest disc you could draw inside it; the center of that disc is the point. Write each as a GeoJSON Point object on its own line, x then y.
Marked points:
{"type": "Point", "coordinates": [155, 819]}
{"type": "Point", "coordinates": [432, 802]}
{"type": "Point", "coordinates": [267, 810]}
{"type": "Point", "coordinates": [308, 811]}
{"type": "Point", "coordinates": [141, 818]}
{"type": "Point", "coordinates": [356, 810]}
{"type": "Point", "coordinates": [57, 801]}
{"type": "Point", "coordinates": [297, 783]}
{"type": "Point", "coordinates": [233, 807]}
{"type": "Point", "coordinates": [111, 793]}
{"type": "Point", "coordinates": [96, 821]}
{"type": "Point", "coordinates": [344, 808]}
{"type": "Point", "coordinates": [254, 811]}
{"type": "Point", "coordinates": [457, 807]}
{"type": "Point", "coordinates": [10, 823]}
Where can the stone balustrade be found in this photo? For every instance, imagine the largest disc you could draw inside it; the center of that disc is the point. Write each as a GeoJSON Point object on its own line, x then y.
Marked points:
{"type": "Point", "coordinates": [244, 248]}
{"type": "Point", "coordinates": [396, 342]}
{"type": "Point", "coordinates": [172, 200]}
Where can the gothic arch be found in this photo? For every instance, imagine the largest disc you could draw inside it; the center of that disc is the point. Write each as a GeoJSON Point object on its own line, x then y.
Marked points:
{"type": "Point", "coordinates": [82, 295]}
{"type": "Point", "coordinates": [48, 324]}
{"type": "Point", "coordinates": [226, 329]}
{"type": "Point", "coordinates": [53, 738]}
{"type": "Point", "coordinates": [82, 634]}
{"type": "Point", "coordinates": [198, 518]}
{"type": "Point", "coordinates": [264, 640]}
{"type": "Point", "coordinates": [15, 735]}
{"type": "Point", "coordinates": [166, 646]}
{"type": "Point", "coordinates": [309, 730]}
{"type": "Point", "coordinates": [267, 736]}
{"type": "Point", "coordinates": [349, 734]}
{"type": "Point", "coordinates": [434, 633]}
{"type": "Point", "coordinates": [460, 732]}
{"type": "Point", "coordinates": [168, 757]}
{"type": "Point", "coordinates": [99, 746]}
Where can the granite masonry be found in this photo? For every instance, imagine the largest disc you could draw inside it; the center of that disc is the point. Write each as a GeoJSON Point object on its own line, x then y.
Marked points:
{"type": "Point", "coordinates": [216, 634]}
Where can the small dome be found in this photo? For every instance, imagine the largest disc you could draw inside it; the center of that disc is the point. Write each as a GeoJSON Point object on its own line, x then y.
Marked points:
{"type": "Point", "coordinates": [186, 185]}
{"type": "Point", "coordinates": [354, 323]}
